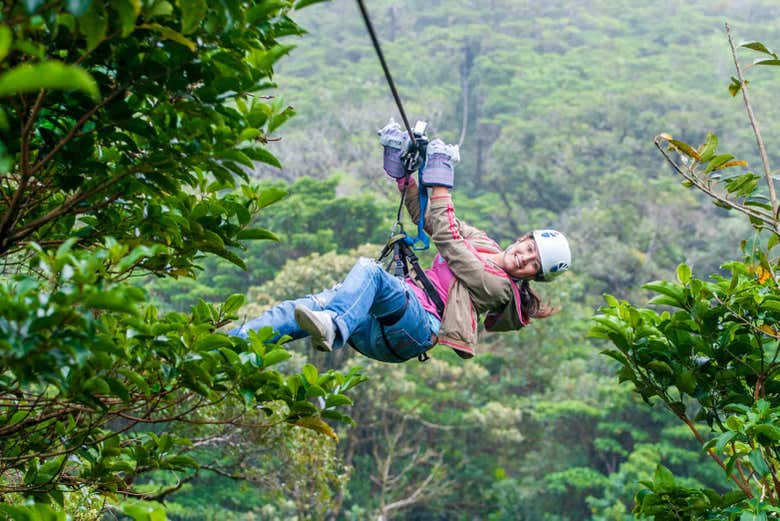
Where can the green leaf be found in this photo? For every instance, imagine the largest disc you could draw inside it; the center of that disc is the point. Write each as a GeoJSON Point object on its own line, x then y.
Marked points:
{"type": "Point", "coordinates": [260, 11]}
{"type": "Point", "coordinates": [274, 357]}
{"type": "Point", "coordinates": [310, 373]}
{"type": "Point", "coordinates": [257, 234]}
{"type": "Point", "coordinates": [97, 385]}
{"type": "Point", "coordinates": [279, 119]}
{"type": "Point", "coordinates": [128, 14]}
{"type": "Point", "coordinates": [758, 46]}
{"type": "Point", "coordinates": [233, 303]}
{"type": "Point", "coordinates": [774, 62]}
{"type": "Point", "coordinates": [735, 86]}
{"type": "Point", "coordinates": [47, 75]}
{"type": "Point", "coordinates": [192, 14]}
{"type": "Point", "coordinates": [717, 161]}
{"type": "Point", "coordinates": [262, 155]}
{"type": "Point", "coordinates": [94, 25]}
{"type": "Point", "coordinates": [683, 273]}
{"type": "Point", "coordinates": [5, 41]}
{"type": "Point", "coordinates": [758, 462]}
{"type": "Point", "coordinates": [315, 390]}
{"type": "Point", "coordinates": [169, 34]}
{"type": "Point", "coordinates": [335, 400]}
{"type": "Point", "coordinates": [212, 341]}
{"type": "Point", "coordinates": [772, 242]}
{"type": "Point", "coordinates": [160, 8]}
{"type": "Point", "coordinates": [316, 424]}
{"type": "Point", "coordinates": [663, 478]}
{"type": "Point", "coordinates": [707, 151]}
{"type": "Point", "coordinates": [686, 382]}
{"type": "Point", "coordinates": [270, 196]}
{"type": "Point", "coordinates": [300, 4]}
{"type": "Point", "coordinates": [685, 148]}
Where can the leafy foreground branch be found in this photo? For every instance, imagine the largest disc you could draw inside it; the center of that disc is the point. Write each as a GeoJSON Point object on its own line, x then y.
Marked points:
{"type": "Point", "coordinates": [712, 354]}
{"type": "Point", "coordinates": [126, 133]}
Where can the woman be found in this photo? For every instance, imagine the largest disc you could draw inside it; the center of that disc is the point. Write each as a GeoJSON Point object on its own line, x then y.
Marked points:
{"type": "Point", "coordinates": [393, 320]}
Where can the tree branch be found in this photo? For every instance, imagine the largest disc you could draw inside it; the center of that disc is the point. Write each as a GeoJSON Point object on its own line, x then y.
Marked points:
{"type": "Point", "coordinates": [756, 131]}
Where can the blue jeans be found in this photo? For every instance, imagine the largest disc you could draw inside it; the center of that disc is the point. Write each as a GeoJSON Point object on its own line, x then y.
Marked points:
{"type": "Point", "coordinates": [367, 293]}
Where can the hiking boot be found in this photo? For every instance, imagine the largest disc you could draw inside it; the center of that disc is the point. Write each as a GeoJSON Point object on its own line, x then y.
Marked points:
{"type": "Point", "coordinates": [319, 325]}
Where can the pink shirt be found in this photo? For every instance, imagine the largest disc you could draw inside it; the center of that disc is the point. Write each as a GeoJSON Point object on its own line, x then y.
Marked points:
{"type": "Point", "coordinates": [441, 277]}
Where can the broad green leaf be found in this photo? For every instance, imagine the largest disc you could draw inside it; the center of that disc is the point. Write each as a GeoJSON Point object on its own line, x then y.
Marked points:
{"type": "Point", "coordinates": [717, 161]}
{"type": "Point", "coordinates": [758, 46]}
{"type": "Point", "coordinates": [262, 155]}
{"type": "Point", "coordinates": [128, 14]}
{"type": "Point", "coordinates": [729, 164]}
{"type": "Point", "coordinates": [94, 25]}
{"type": "Point", "coordinates": [238, 157]}
{"type": "Point", "coordinates": [663, 478]}
{"type": "Point", "coordinates": [169, 34]}
{"type": "Point", "coordinates": [212, 341]}
{"type": "Point", "coordinates": [661, 368]}
{"type": "Point", "coordinates": [772, 242]}
{"type": "Point", "coordinates": [310, 373]}
{"type": "Point", "coordinates": [683, 273]}
{"type": "Point", "coordinates": [5, 41]}
{"type": "Point", "coordinates": [757, 461]}
{"type": "Point", "coordinates": [279, 119]}
{"type": "Point", "coordinates": [265, 60]}
{"type": "Point", "coordinates": [192, 14]}
{"type": "Point", "coordinates": [249, 134]}
{"type": "Point", "coordinates": [315, 390]}
{"type": "Point", "coordinates": [686, 382]}
{"type": "Point", "coordinates": [335, 400]}
{"type": "Point", "coordinates": [774, 62]}
{"type": "Point", "coordinates": [316, 424]}
{"type": "Point", "coordinates": [260, 11]}
{"type": "Point", "coordinates": [233, 303]}
{"type": "Point", "coordinates": [300, 4]}
{"type": "Point", "coordinates": [97, 385]}
{"type": "Point", "coordinates": [257, 234]}
{"type": "Point", "coordinates": [270, 196]}
{"type": "Point", "coordinates": [160, 8]}
{"type": "Point", "coordinates": [685, 148]}
{"type": "Point", "coordinates": [47, 75]}
{"type": "Point", "coordinates": [707, 150]}
{"type": "Point", "coordinates": [274, 357]}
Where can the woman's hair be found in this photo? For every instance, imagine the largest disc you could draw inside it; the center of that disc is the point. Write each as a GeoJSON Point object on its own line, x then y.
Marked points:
{"type": "Point", "coordinates": [530, 302]}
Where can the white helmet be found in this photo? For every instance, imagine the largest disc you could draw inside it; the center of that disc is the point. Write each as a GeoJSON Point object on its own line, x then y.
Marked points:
{"type": "Point", "coordinates": [554, 253]}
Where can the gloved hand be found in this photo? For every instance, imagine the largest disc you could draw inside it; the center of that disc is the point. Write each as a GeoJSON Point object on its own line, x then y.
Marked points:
{"type": "Point", "coordinates": [440, 164]}
{"type": "Point", "coordinates": [395, 141]}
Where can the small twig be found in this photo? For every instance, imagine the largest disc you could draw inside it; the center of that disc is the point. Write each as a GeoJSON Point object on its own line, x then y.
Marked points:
{"type": "Point", "coordinates": [756, 131]}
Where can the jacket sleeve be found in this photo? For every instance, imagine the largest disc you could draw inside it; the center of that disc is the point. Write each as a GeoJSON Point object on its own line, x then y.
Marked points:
{"type": "Point", "coordinates": [412, 203]}
{"type": "Point", "coordinates": [449, 235]}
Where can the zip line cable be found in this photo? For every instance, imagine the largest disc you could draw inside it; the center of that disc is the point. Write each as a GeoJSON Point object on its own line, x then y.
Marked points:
{"type": "Point", "coordinates": [389, 78]}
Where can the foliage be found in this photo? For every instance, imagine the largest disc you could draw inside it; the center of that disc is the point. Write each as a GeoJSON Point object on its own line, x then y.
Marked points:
{"type": "Point", "coordinates": [711, 354]}
{"type": "Point", "coordinates": [127, 130]}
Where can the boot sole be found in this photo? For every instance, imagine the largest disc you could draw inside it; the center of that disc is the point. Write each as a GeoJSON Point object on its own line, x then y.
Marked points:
{"type": "Point", "coordinates": [311, 325]}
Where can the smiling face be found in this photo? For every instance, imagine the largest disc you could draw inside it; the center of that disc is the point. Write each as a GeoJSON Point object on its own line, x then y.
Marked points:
{"type": "Point", "coordinates": [521, 259]}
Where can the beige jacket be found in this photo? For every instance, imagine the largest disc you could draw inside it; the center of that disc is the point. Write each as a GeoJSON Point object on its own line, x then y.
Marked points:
{"type": "Point", "coordinates": [479, 287]}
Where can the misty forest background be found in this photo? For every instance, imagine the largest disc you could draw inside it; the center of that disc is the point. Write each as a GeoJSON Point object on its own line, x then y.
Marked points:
{"type": "Point", "coordinates": [561, 105]}
{"type": "Point", "coordinates": [562, 101]}
{"type": "Point", "coordinates": [556, 105]}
